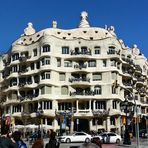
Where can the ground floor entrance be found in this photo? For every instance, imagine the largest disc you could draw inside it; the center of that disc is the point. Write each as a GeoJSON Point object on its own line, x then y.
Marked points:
{"type": "Point", "coordinates": [81, 125]}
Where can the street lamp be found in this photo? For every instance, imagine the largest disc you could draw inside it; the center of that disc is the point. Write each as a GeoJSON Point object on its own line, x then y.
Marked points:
{"type": "Point", "coordinates": [39, 114]}
{"type": "Point", "coordinates": [25, 115]}
{"type": "Point", "coordinates": [136, 110]}
{"type": "Point", "coordinates": [128, 108]}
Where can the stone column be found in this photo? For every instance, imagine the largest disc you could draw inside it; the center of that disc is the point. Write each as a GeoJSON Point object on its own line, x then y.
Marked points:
{"type": "Point", "coordinates": [89, 105]}
{"type": "Point", "coordinates": [71, 125]}
{"type": "Point", "coordinates": [55, 124]}
{"type": "Point", "coordinates": [77, 105]}
{"type": "Point", "coordinates": [119, 125]}
{"type": "Point", "coordinates": [90, 124]}
{"type": "Point", "coordinates": [94, 105]}
{"type": "Point", "coordinates": [108, 124]}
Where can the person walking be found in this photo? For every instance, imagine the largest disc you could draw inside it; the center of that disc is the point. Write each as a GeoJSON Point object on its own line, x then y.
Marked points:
{"type": "Point", "coordinates": [5, 140]}
{"type": "Point", "coordinates": [39, 143]}
{"type": "Point", "coordinates": [17, 138]}
{"type": "Point", "coordinates": [53, 143]}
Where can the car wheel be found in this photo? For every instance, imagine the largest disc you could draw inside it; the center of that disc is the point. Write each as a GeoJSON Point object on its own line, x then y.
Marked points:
{"type": "Point", "coordinates": [87, 140]}
{"type": "Point", "coordinates": [118, 141]}
{"type": "Point", "coordinates": [68, 140]}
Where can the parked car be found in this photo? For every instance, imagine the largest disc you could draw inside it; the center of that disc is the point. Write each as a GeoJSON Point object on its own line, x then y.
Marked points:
{"type": "Point", "coordinates": [143, 133]}
{"type": "Point", "coordinates": [76, 137]}
{"type": "Point", "coordinates": [110, 137]}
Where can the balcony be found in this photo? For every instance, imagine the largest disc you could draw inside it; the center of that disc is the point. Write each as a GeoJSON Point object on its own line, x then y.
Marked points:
{"type": "Point", "coordinates": [85, 79]}
{"type": "Point", "coordinates": [23, 70]}
{"type": "Point", "coordinates": [127, 84]}
{"type": "Point", "coordinates": [138, 68]}
{"type": "Point", "coordinates": [80, 66]}
{"type": "Point", "coordinates": [21, 84]}
{"type": "Point", "coordinates": [26, 97]}
{"type": "Point", "coordinates": [88, 52]}
{"type": "Point", "coordinates": [110, 52]}
{"type": "Point", "coordinates": [129, 71]}
{"type": "Point", "coordinates": [140, 80]}
{"type": "Point", "coordinates": [83, 93]}
{"type": "Point", "coordinates": [100, 112]}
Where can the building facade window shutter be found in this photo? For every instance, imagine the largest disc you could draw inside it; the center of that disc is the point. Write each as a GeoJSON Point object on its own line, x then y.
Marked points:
{"type": "Point", "coordinates": [64, 90]}
{"type": "Point", "coordinates": [48, 89]}
{"type": "Point", "coordinates": [62, 76]}
{"type": "Point", "coordinates": [97, 76]}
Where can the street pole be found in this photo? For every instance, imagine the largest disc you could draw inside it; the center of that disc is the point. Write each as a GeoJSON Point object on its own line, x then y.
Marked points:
{"type": "Point", "coordinates": [41, 127]}
{"type": "Point", "coordinates": [137, 125]}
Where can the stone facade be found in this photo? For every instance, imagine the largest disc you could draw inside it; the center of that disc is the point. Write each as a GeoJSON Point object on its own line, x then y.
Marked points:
{"type": "Point", "coordinates": [80, 75]}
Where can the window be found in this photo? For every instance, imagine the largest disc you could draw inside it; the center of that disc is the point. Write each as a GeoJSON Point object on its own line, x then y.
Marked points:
{"type": "Point", "coordinates": [13, 82]}
{"type": "Point", "coordinates": [111, 50]}
{"type": "Point", "coordinates": [45, 61]}
{"type": "Point", "coordinates": [46, 48]}
{"type": "Point", "coordinates": [97, 76]}
{"type": "Point", "coordinates": [14, 68]}
{"type": "Point", "coordinates": [35, 52]}
{"type": "Point", "coordinates": [114, 89]}
{"type": "Point", "coordinates": [37, 65]}
{"type": "Point", "coordinates": [32, 66]}
{"type": "Point", "coordinates": [114, 75]}
{"type": "Point", "coordinates": [97, 50]}
{"type": "Point", "coordinates": [58, 62]}
{"type": "Point", "coordinates": [15, 56]}
{"type": "Point", "coordinates": [84, 50]}
{"type": "Point", "coordinates": [67, 63]}
{"type": "Point", "coordinates": [104, 63]}
{"type": "Point", "coordinates": [46, 90]}
{"type": "Point", "coordinates": [43, 90]}
{"type": "Point", "coordinates": [113, 62]}
{"type": "Point", "coordinates": [112, 120]}
{"type": "Point", "coordinates": [92, 63]}
{"type": "Point", "coordinates": [65, 50]}
{"type": "Point", "coordinates": [43, 75]}
{"type": "Point", "coordinates": [98, 90]}
{"type": "Point", "coordinates": [62, 76]}
{"type": "Point", "coordinates": [64, 90]}
{"type": "Point", "coordinates": [47, 75]}
{"type": "Point", "coordinates": [114, 104]}
{"type": "Point", "coordinates": [100, 105]}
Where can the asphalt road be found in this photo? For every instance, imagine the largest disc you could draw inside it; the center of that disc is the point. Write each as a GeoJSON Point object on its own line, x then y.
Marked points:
{"type": "Point", "coordinates": [143, 144]}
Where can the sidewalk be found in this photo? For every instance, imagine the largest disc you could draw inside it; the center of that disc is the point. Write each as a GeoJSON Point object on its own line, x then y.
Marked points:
{"type": "Point", "coordinates": [143, 143]}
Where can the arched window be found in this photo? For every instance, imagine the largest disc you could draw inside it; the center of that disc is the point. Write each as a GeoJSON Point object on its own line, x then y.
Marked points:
{"type": "Point", "coordinates": [98, 90]}
{"type": "Point", "coordinates": [111, 50]}
{"type": "Point", "coordinates": [46, 48]}
{"type": "Point", "coordinates": [97, 50]}
{"type": "Point", "coordinates": [64, 90]}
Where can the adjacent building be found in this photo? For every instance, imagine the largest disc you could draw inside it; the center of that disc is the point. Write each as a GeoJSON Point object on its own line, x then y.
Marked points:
{"type": "Point", "coordinates": [72, 79]}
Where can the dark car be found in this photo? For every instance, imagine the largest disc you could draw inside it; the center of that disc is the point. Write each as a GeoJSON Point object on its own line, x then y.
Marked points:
{"type": "Point", "coordinates": [143, 133]}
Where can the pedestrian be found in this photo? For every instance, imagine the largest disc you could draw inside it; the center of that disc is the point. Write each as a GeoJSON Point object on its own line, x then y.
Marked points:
{"type": "Point", "coordinates": [53, 143]}
{"type": "Point", "coordinates": [39, 143]}
{"type": "Point", "coordinates": [97, 141]}
{"type": "Point", "coordinates": [5, 140]}
{"type": "Point", "coordinates": [17, 138]}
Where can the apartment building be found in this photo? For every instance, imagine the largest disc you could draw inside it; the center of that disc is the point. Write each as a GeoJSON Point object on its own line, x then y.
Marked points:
{"type": "Point", "coordinates": [77, 77]}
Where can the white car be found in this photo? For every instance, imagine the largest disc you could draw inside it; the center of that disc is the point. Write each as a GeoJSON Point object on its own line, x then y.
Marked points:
{"type": "Point", "coordinates": [110, 137]}
{"type": "Point", "coordinates": [76, 137]}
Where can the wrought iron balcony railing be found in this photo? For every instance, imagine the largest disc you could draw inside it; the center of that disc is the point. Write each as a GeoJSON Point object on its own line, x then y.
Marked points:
{"type": "Point", "coordinates": [79, 79]}
{"type": "Point", "coordinates": [80, 66]}
{"type": "Point", "coordinates": [83, 93]}
{"type": "Point", "coordinates": [81, 53]}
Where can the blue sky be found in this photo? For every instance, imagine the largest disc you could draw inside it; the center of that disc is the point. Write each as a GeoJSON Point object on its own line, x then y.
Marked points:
{"type": "Point", "coordinates": [129, 17]}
